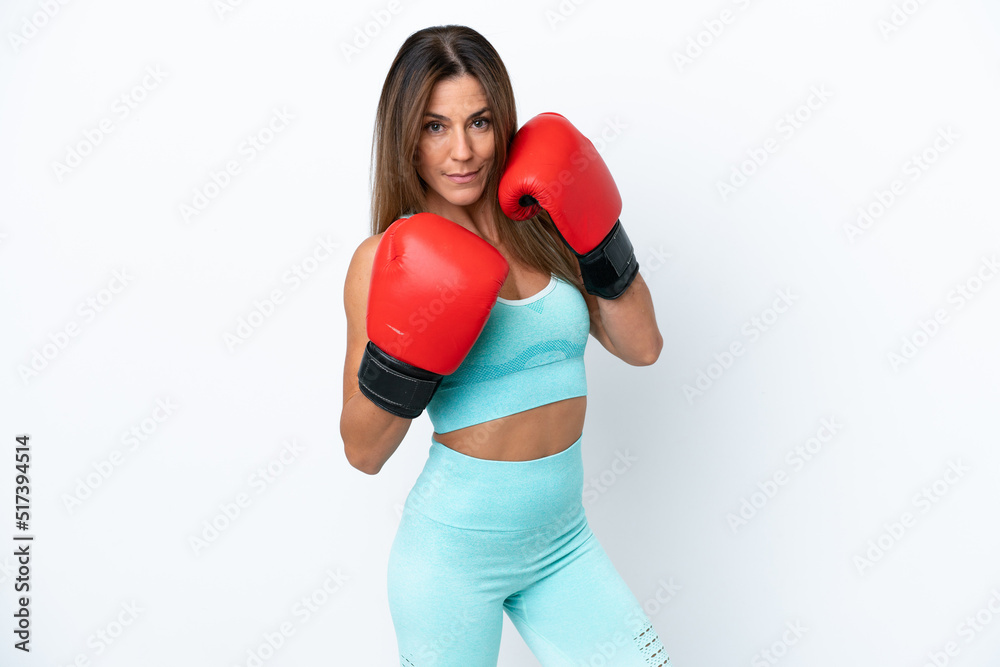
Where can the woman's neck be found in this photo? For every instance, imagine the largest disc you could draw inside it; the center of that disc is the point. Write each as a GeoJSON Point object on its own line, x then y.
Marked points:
{"type": "Point", "coordinates": [475, 217]}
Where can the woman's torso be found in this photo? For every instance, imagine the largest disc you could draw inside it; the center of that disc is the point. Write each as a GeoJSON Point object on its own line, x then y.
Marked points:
{"type": "Point", "coordinates": [530, 434]}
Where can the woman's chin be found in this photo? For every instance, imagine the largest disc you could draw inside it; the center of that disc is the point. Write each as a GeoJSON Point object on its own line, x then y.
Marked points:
{"type": "Point", "coordinates": [463, 197]}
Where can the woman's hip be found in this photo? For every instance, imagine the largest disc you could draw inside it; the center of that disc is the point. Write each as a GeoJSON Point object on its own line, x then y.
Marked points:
{"type": "Point", "coordinates": [483, 494]}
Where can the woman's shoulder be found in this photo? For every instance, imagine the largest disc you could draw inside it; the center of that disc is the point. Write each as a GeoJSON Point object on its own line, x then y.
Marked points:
{"type": "Point", "coordinates": [366, 249]}
{"type": "Point", "coordinates": [359, 269]}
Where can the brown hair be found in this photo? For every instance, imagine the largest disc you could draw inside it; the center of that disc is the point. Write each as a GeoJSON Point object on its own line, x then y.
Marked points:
{"type": "Point", "coordinates": [426, 57]}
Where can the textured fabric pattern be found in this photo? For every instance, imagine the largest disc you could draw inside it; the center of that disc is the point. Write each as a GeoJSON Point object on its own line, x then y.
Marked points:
{"type": "Point", "coordinates": [651, 647]}
{"type": "Point", "coordinates": [530, 353]}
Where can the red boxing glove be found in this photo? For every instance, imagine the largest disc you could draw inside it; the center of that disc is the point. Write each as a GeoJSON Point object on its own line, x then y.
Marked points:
{"type": "Point", "coordinates": [553, 166]}
{"type": "Point", "coordinates": [433, 285]}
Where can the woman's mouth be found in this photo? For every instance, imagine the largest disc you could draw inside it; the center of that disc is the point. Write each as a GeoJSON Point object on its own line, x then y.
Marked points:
{"type": "Point", "coordinates": [462, 178]}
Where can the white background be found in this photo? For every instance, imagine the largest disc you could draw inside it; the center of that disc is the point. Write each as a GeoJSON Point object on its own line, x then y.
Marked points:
{"type": "Point", "coordinates": [828, 550]}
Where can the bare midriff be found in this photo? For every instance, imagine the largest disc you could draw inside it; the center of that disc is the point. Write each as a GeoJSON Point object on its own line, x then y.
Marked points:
{"type": "Point", "coordinates": [522, 436]}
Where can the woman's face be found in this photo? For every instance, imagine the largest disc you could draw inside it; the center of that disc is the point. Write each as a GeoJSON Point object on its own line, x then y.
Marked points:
{"type": "Point", "coordinates": [455, 149]}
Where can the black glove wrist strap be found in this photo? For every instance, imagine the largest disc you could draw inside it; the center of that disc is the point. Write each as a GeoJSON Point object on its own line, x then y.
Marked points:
{"type": "Point", "coordinates": [395, 386]}
{"type": "Point", "coordinates": [611, 267]}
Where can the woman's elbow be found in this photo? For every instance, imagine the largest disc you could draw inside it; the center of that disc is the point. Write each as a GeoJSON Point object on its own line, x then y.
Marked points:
{"type": "Point", "coordinates": [355, 455]}
{"type": "Point", "coordinates": [650, 354]}
{"type": "Point", "coordinates": [359, 462]}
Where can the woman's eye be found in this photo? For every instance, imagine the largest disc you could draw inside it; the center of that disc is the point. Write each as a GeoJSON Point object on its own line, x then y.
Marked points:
{"type": "Point", "coordinates": [483, 123]}
{"type": "Point", "coordinates": [433, 127]}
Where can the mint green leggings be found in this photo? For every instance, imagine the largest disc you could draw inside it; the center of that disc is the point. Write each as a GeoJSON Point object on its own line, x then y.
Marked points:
{"type": "Point", "coordinates": [480, 537]}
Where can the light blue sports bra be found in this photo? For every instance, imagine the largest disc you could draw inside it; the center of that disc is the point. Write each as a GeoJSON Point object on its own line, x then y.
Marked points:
{"type": "Point", "coordinates": [530, 353]}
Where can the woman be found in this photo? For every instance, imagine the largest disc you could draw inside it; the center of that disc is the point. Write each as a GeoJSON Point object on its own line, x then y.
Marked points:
{"type": "Point", "coordinates": [495, 522]}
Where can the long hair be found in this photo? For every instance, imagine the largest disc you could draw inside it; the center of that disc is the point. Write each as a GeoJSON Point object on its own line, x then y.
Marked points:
{"type": "Point", "coordinates": [426, 57]}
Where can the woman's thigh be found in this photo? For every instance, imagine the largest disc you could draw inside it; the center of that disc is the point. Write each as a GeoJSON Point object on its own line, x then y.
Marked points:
{"type": "Point", "coordinates": [445, 612]}
{"type": "Point", "coordinates": [583, 614]}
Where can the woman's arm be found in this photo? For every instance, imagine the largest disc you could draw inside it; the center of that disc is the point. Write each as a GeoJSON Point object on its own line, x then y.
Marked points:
{"type": "Point", "coordinates": [626, 326]}
{"type": "Point", "coordinates": [370, 434]}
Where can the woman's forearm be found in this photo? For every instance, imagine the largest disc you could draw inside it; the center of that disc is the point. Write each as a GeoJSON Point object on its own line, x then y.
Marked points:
{"type": "Point", "coordinates": [630, 324]}
{"type": "Point", "coordinates": [370, 434]}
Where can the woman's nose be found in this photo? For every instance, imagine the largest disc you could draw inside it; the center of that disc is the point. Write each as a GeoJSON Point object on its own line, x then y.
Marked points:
{"type": "Point", "coordinates": [460, 148]}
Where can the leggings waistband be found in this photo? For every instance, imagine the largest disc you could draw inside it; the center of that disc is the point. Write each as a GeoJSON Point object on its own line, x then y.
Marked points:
{"type": "Point", "coordinates": [482, 494]}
